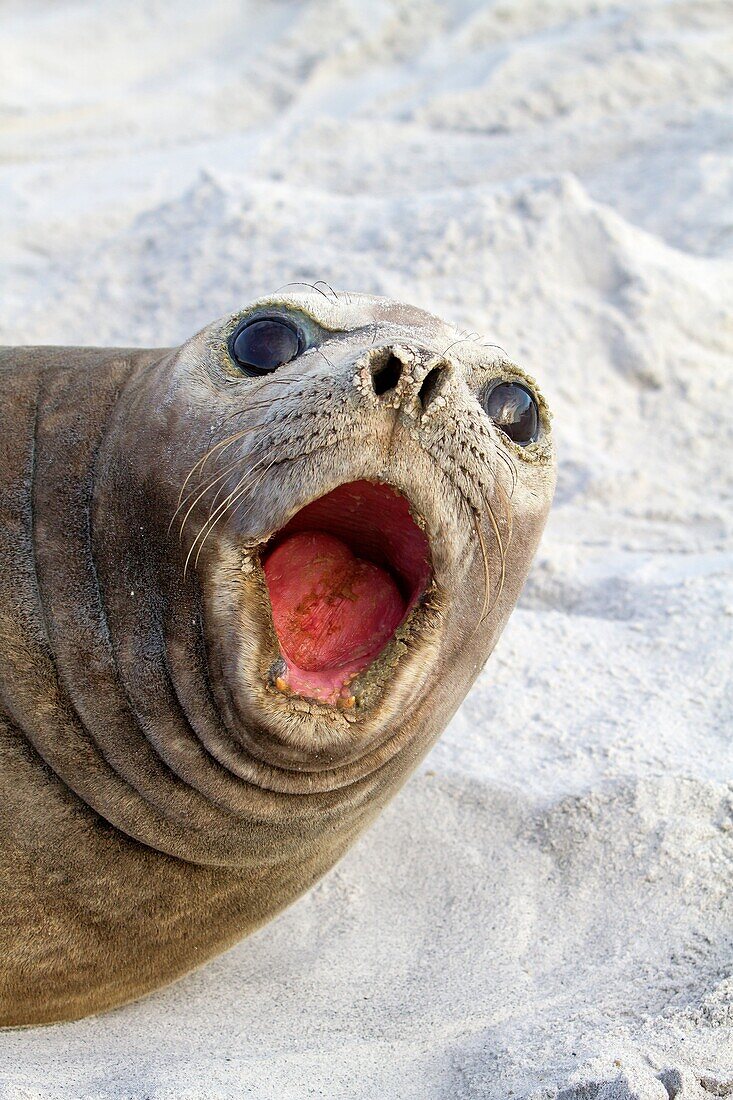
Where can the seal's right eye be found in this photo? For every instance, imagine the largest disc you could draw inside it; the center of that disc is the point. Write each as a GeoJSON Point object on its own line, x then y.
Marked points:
{"type": "Point", "coordinates": [261, 346]}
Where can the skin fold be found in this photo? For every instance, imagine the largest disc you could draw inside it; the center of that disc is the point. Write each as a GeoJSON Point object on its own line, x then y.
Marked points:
{"type": "Point", "coordinates": [161, 794]}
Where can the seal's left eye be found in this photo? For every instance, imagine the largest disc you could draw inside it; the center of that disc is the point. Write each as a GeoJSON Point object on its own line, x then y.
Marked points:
{"type": "Point", "coordinates": [263, 345]}
{"type": "Point", "coordinates": [514, 410]}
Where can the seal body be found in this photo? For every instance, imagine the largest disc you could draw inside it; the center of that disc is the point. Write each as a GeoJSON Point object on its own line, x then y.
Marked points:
{"type": "Point", "coordinates": [238, 604]}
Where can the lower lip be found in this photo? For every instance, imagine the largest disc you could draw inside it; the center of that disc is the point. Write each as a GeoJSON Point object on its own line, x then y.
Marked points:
{"type": "Point", "coordinates": [342, 576]}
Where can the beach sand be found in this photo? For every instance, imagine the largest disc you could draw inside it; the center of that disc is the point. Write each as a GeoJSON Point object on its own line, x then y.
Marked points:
{"type": "Point", "coordinates": [546, 910]}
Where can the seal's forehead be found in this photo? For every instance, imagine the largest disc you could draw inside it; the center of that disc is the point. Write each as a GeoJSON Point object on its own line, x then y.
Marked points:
{"type": "Point", "coordinates": [340, 311]}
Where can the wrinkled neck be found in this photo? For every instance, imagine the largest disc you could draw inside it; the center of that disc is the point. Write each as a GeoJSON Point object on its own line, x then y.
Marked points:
{"type": "Point", "coordinates": [104, 665]}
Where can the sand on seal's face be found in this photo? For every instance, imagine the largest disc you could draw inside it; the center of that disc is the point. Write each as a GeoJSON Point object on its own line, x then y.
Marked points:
{"type": "Point", "coordinates": [552, 905]}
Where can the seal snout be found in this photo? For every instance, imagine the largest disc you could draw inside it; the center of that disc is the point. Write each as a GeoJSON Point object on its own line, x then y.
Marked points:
{"type": "Point", "coordinates": [409, 373]}
{"type": "Point", "coordinates": [342, 576]}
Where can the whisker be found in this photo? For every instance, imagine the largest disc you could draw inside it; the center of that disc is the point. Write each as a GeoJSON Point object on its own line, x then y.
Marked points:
{"type": "Point", "coordinates": [500, 543]}
{"type": "Point", "coordinates": [328, 285]}
{"type": "Point", "coordinates": [260, 458]}
{"type": "Point", "coordinates": [237, 412]}
{"type": "Point", "coordinates": [484, 556]}
{"type": "Point", "coordinates": [442, 353]}
{"type": "Point", "coordinates": [267, 404]}
{"type": "Point", "coordinates": [289, 459]}
{"type": "Point", "coordinates": [189, 475]}
{"type": "Point", "coordinates": [323, 354]}
{"type": "Point", "coordinates": [210, 485]}
{"type": "Point", "coordinates": [221, 446]}
{"type": "Point", "coordinates": [215, 515]}
{"type": "Point", "coordinates": [508, 513]}
{"type": "Point", "coordinates": [303, 282]}
{"type": "Point", "coordinates": [474, 337]}
{"type": "Point", "coordinates": [236, 494]}
{"type": "Point", "coordinates": [198, 536]}
{"type": "Point", "coordinates": [509, 464]}
{"type": "Point", "coordinates": [212, 482]}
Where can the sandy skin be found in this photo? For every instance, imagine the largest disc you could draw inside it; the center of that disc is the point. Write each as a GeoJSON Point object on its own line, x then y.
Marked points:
{"type": "Point", "coordinates": [170, 778]}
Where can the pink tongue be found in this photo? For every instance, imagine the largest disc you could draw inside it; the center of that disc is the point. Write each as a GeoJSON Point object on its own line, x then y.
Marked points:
{"type": "Point", "coordinates": [329, 607]}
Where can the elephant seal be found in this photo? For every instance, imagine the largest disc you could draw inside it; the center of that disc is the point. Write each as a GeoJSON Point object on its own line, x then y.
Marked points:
{"type": "Point", "coordinates": [245, 584]}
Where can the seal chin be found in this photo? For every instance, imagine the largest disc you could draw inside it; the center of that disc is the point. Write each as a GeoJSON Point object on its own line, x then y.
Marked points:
{"type": "Point", "coordinates": [345, 577]}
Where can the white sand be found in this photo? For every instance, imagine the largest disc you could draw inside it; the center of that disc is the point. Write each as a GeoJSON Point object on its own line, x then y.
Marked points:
{"type": "Point", "coordinates": [548, 906]}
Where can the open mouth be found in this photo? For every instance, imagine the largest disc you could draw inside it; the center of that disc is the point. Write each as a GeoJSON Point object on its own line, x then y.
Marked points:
{"type": "Point", "coordinates": [343, 575]}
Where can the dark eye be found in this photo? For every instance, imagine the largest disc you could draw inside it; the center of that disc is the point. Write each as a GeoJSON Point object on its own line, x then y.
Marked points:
{"type": "Point", "coordinates": [263, 345]}
{"type": "Point", "coordinates": [513, 409]}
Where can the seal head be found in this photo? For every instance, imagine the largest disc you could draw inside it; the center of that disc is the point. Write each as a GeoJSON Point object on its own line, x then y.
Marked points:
{"type": "Point", "coordinates": [266, 568]}
{"type": "Point", "coordinates": [373, 442]}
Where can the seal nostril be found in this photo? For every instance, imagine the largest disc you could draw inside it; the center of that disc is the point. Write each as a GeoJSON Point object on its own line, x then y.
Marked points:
{"type": "Point", "coordinates": [386, 376]}
{"type": "Point", "coordinates": [429, 386]}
